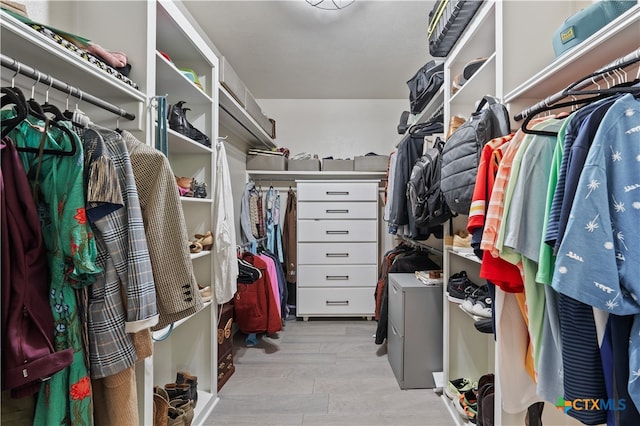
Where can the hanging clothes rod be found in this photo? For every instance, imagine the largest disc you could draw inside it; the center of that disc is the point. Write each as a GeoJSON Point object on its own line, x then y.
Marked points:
{"type": "Point", "coordinates": [619, 63]}
{"type": "Point", "coordinates": [47, 80]}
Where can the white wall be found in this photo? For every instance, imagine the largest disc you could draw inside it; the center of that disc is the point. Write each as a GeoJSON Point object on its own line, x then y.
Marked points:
{"type": "Point", "coordinates": [342, 128]}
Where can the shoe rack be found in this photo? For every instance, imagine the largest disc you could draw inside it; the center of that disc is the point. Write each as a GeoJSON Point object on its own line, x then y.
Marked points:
{"type": "Point", "coordinates": [189, 345]}
{"type": "Point", "coordinates": [521, 70]}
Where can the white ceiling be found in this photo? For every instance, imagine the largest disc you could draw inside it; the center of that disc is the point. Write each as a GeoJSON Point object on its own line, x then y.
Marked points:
{"type": "Point", "coordinates": [288, 49]}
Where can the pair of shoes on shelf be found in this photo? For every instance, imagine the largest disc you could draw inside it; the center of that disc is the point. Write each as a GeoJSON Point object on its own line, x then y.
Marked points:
{"type": "Point", "coordinates": [457, 386]}
{"type": "Point", "coordinates": [470, 68]}
{"type": "Point", "coordinates": [181, 413]}
{"type": "Point", "coordinates": [205, 293]}
{"type": "Point", "coordinates": [459, 287]}
{"type": "Point", "coordinates": [468, 401]}
{"type": "Point", "coordinates": [185, 387]}
{"type": "Point", "coordinates": [180, 399]}
{"type": "Point", "coordinates": [478, 303]}
{"type": "Point", "coordinates": [462, 241]}
{"type": "Point", "coordinates": [201, 242]}
{"type": "Point", "coordinates": [189, 187]}
{"type": "Point", "coordinates": [467, 405]}
{"type": "Point", "coordinates": [178, 122]}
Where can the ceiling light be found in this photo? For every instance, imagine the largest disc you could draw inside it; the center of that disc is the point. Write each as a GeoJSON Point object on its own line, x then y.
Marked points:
{"type": "Point", "coordinates": [330, 4]}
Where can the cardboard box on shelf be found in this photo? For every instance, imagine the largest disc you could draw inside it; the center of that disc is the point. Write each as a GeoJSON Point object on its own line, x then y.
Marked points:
{"type": "Point", "coordinates": [311, 165]}
{"type": "Point", "coordinates": [266, 162]}
{"type": "Point", "coordinates": [331, 165]}
{"type": "Point", "coordinates": [371, 163]}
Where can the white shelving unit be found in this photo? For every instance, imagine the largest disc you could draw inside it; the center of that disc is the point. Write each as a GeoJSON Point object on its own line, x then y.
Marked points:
{"type": "Point", "coordinates": [521, 70]}
{"type": "Point", "coordinates": [189, 344]}
{"type": "Point", "coordinates": [161, 26]}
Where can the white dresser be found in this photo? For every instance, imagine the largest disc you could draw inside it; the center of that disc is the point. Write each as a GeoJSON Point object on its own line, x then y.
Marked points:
{"type": "Point", "coordinates": [337, 247]}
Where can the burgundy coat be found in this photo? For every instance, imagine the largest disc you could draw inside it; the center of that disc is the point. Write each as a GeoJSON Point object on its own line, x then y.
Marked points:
{"type": "Point", "coordinates": [28, 354]}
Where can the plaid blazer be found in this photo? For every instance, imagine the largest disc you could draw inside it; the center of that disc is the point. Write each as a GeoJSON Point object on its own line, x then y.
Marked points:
{"type": "Point", "coordinates": [122, 300]}
{"type": "Point", "coordinates": [177, 293]}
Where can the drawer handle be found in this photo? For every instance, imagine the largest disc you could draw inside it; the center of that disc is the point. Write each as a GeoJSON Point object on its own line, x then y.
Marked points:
{"type": "Point", "coordinates": [337, 210]}
{"type": "Point", "coordinates": [337, 302]}
{"type": "Point", "coordinates": [337, 232]}
{"type": "Point", "coordinates": [337, 277]}
{"type": "Point", "coordinates": [337, 254]}
{"type": "Point", "coordinates": [337, 192]}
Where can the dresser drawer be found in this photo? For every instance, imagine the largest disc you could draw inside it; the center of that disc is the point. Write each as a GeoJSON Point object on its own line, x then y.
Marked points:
{"type": "Point", "coordinates": [396, 305]}
{"type": "Point", "coordinates": [337, 276]}
{"type": "Point", "coordinates": [335, 301]}
{"type": "Point", "coordinates": [395, 352]}
{"type": "Point", "coordinates": [337, 210]}
{"type": "Point", "coordinates": [337, 191]}
{"type": "Point", "coordinates": [337, 230]}
{"type": "Point", "coordinates": [337, 253]}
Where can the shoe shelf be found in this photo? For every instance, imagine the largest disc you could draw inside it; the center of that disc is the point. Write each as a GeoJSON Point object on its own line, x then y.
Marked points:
{"type": "Point", "coordinates": [470, 315]}
{"type": "Point", "coordinates": [476, 87]}
{"type": "Point", "coordinates": [193, 200]}
{"type": "Point", "coordinates": [203, 253]}
{"type": "Point", "coordinates": [189, 344]}
{"type": "Point", "coordinates": [468, 255]}
{"type": "Point", "coordinates": [164, 333]}
{"type": "Point", "coordinates": [180, 144]}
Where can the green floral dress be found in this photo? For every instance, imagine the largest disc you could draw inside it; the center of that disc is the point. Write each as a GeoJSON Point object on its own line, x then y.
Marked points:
{"type": "Point", "coordinates": [57, 184]}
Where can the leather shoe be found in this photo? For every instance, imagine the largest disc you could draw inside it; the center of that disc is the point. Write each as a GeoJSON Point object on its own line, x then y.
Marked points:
{"type": "Point", "coordinates": [178, 122]}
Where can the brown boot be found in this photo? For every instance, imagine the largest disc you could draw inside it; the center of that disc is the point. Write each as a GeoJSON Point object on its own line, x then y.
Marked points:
{"type": "Point", "coordinates": [176, 417]}
{"type": "Point", "coordinates": [160, 406]}
{"type": "Point", "coordinates": [186, 407]}
{"type": "Point", "coordinates": [183, 377]}
{"type": "Point", "coordinates": [178, 390]}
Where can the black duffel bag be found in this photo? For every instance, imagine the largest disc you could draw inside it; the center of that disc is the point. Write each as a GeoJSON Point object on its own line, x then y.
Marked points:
{"type": "Point", "coordinates": [425, 84]}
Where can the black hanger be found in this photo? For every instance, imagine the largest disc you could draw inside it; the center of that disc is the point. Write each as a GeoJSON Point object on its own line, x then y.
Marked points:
{"type": "Point", "coordinates": [13, 96]}
{"type": "Point", "coordinates": [599, 94]}
{"type": "Point", "coordinates": [529, 117]}
{"type": "Point", "coordinates": [48, 108]}
{"type": "Point", "coordinates": [24, 108]}
{"type": "Point", "coordinates": [574, 89]}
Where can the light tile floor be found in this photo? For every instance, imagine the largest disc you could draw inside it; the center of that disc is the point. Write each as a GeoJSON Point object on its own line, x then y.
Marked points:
{"type": "Point", "coordinates": [321, 372]}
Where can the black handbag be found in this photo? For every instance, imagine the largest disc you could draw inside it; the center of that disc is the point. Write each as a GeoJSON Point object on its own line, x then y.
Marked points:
{"type": "Point", "coordinates": [462, 151]}
{"type": "Point", "coordinates": [425, 84]}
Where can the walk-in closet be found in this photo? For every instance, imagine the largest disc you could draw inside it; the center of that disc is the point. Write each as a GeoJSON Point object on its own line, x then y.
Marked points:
{"type": "Point", "coordinates": [320, 212]}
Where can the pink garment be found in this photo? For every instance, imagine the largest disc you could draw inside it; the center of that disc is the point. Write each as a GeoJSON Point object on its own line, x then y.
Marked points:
{"type": "Point", "coordinates": [273, 277]}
